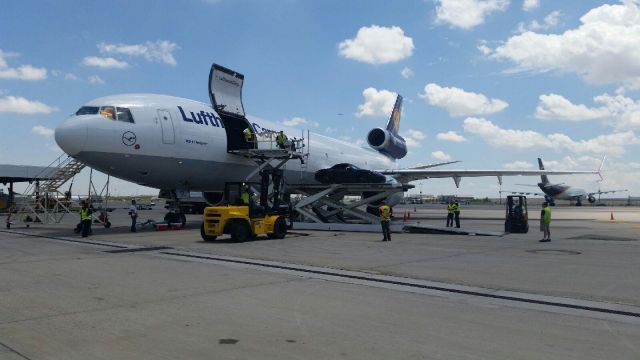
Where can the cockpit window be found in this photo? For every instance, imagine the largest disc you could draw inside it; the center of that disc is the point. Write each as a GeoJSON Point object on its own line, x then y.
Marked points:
{"type": "Point", "coordinates": [109, 112]}
{"type": "Point", "coordinates": [87, 110]}
{"type": "Point", "coordinates": [124, 115]}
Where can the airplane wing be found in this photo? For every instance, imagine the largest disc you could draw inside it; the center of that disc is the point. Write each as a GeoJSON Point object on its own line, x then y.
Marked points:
{"type": "Point", "coordinates": [434, 165]}
{"type": "Point", "coordinates": [606, 192]}
{"type": "Point", "coordinates": [407, 175]}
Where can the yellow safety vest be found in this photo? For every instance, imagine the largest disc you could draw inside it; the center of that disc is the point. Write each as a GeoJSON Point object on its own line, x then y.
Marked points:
{"type": "Point", "coordinates": [456, 207]}
{"type": "Point", "coordinates": [248, 134]}
{"type": "Point", "coordinates": [547, 215]}
{"type": "Point", "coordinates": [450, 208]}
{"type": "Point", "coordinates": [281, 139]}
{"type": "Point", "coordinates": [85, 214]}
{"type": "Point", "coordinates": [245, 198]}
{"type": "Point", "coordinates": [385, 213]}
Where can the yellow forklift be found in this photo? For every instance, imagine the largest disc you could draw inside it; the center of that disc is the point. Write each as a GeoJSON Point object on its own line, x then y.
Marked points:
{"type": "Point", "coordinates": [243, 221]}
{"type": "Point", "coordinates": [517, 215]}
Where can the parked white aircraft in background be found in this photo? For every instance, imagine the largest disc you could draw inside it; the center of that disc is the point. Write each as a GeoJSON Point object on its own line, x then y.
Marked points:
{"type": "Point", "coordinates": [562, 191]}
{"type": "Point", "coordinates": [180, 145]}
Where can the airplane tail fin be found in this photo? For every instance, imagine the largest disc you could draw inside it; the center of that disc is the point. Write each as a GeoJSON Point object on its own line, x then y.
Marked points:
{"type": "Point", "coordinates": [545, 179]}
{"type": "Point", "coordinates": [394, 120]}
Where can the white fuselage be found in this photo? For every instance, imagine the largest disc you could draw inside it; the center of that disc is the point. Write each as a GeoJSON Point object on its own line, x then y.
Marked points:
{"type": "Point", "coordinates": [176, 143]}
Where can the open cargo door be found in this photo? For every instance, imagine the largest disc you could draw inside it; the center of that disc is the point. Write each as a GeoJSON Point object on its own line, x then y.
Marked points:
{"type": "Point", "coordinates": [225, 92]}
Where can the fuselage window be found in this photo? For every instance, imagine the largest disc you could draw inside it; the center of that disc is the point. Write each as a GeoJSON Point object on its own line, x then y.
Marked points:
{"type": "Point", "coordinates": [88, 110]}
{"type": "Point", "coordinates": [124, 115]}
{"type": "Point", "coordinates": [109, 112]}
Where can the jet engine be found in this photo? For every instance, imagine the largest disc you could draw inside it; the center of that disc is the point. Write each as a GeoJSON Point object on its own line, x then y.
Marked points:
{"type": "Point", "coordinates": [591, 199]}
{"type": "Point", "coordinates": [213, 197]}
{"type": "Point", "coordinates": [386, 142]}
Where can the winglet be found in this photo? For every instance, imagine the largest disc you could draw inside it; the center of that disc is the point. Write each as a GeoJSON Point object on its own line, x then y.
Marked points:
{"type": "Point", "coordinates": [600, 167]}
{"type": "Point", "coordinates": [394, 120]}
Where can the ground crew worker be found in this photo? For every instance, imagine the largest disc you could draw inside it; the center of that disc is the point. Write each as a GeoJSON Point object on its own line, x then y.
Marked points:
{"type": "Point", "coordinates": [456, 213]}
{"type": "Point", "coordinates": [249, 137]}
{"type": "Point", "coordinates": [281, 140]}
{"type": "Point", "coordinates": [85, 219]}
{"type": "Point", "coordinates": [245, 196]}
{"type": "Point", "coordinates": [385, 219]}
{"type": "Point", "coordinates": [133, 212]}
{"type": "Point", "coordinates": [450, 214]}
{"type": "Point", "coordinates": [545, 221]}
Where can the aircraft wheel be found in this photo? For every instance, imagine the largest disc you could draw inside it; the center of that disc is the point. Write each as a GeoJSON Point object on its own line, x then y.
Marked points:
{"type": "Point", "coordinates": [240, 231]}
{"type": "Point", "coordinates": [107, 224]}
{"type": "Point", "coordinates": [204, 236]}
{"type": "Point", "coordinates": [279, 229]}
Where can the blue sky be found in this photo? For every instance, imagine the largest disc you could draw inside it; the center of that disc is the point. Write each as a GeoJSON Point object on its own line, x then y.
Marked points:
{"type": "Point", "coordinates": [494, 83]}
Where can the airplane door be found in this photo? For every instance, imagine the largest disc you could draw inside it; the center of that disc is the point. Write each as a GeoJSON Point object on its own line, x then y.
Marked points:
{"type": "Point", "coordinates": [225, 90]}
{"type": "Point", "coordinates": [166, 122]}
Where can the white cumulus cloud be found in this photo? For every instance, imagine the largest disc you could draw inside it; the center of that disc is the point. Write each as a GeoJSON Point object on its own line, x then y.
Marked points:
{"type": "Point", "coordinates": [104, 62]}
{"type": "Point", "coordinates": [22, 72]}
{"type": "Point", "coordinates": [299, 121]}
{"type": "Point", "coordinates": [602, 49]}
{"type": "Point", "coordinates": [440, 155]}
{"type": "Point", "coordinates": [459, 102]}
{"type": "Point", "coordinates": [158, 51]}
{"type": "Point", "coordinates": [467, 14]}
{"type": "Point", "coordinates": [556, 107]}
{"type": "Point", "coordinates": [413, 137]}
{"type": "Point", "coordinates": [548, 22]}
{"type": "Point", "coordinates": [528, 5]}
{"type": "Point", "coordinates": [610, 144]}
{"type": "Point", "coordinates": [95, 79]}
{"type": "Point", "coordinates": [20, 105]}
{"type": "Point", "coordinates": [377, 45]}
{"type": "Point", "coordinates": [451, 136]}
{"type": "Point", "coordinates": [376, 103]}
{"type": "Point", "coordinates": [622, 112]}
{"type": "Point", "coordinates": [406, 72]}
{"type": "Point", "coordinates": [43, 131]}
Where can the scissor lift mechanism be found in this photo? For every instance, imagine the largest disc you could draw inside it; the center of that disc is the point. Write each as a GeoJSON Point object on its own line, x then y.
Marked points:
{"type": "Point", "coordinates": [318, 196]}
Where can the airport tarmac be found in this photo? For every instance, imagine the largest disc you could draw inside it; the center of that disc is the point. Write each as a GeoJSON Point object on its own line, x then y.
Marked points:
{"type": "Point", "coordinates": [326, 295]}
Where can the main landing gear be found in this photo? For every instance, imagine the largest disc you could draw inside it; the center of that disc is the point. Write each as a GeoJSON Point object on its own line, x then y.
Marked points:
{"type": "Point", "coordinates": [175, 214]}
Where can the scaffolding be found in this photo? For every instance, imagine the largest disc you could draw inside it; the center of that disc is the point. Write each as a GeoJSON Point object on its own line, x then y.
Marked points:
{"type": "Point", "coordinates": [44, 200]}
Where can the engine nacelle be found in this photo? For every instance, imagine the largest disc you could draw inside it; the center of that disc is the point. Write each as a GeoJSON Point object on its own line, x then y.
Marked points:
{"type": "Point", "coordinates": [387, 143]}
{"type": "Point", "coordinates": [591, 199]}
{"type": "Point", "coordinates": [213, 197]}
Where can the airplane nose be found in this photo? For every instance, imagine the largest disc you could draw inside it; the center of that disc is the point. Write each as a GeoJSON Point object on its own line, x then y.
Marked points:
{"type": "Point", "coordinates": [71, 135]}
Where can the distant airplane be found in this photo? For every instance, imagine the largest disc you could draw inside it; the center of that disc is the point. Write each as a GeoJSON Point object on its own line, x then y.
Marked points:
{"type": "Point", "coordinates": [561, 191]}
{"type": "Point", "coordinates": [180, 145]}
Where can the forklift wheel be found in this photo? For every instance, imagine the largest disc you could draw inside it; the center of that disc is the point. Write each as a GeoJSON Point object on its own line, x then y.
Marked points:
{"type": "Point", "coordinates": [240, 231]}
{"type": "Point", "coordinates": [206, 237]}
{"type": "Point", "coordinates": [279, 229]}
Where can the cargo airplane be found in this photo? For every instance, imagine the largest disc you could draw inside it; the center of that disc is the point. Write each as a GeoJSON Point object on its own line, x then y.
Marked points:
{"type": "Point", "coordinates": [561, 191]}
{"type": "Point", "coordinates": [179, 145]}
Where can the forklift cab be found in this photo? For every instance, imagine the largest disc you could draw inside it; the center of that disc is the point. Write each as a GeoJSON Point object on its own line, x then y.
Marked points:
{"type": "Point", "coordinates": [517, 216]}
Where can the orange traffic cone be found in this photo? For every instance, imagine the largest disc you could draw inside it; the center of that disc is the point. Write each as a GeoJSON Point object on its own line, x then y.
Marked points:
{"type": "Point", "coordinates": [612, 218]}
{"type": "Point", "coordinates": [408, 215]}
